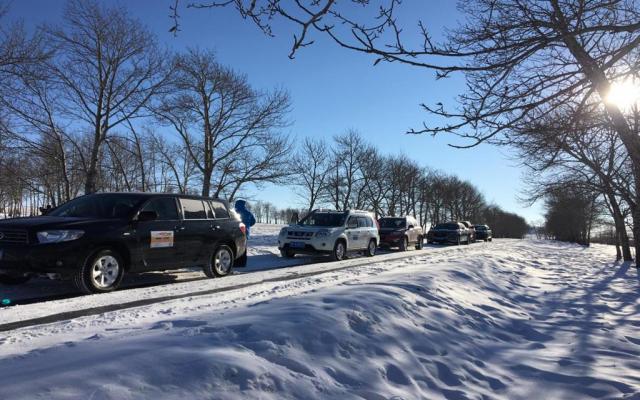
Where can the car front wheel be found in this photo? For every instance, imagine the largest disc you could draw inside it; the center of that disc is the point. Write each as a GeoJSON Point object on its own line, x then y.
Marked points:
{"type": "Point", "coordinates": [101, 273]}
{"type": "Point", "coordinates": [287, 253]}
{"type": "Point", "coordinates": [419, 243]}
{"type": "Point", "coordinates": [339, 251]}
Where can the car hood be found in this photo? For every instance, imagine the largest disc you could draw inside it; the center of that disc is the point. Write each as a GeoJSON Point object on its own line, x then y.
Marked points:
{"type": "Point", "coordinates": [48, 222]}
{"type": "Point", "coordinates": [300, 228]}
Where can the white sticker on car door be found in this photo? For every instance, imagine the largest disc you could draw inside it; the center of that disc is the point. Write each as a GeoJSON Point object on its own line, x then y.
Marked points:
{"type": "Point", "coordinates": [161, 239]}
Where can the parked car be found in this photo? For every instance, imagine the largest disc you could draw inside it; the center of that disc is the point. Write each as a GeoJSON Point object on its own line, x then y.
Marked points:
{"type": "Point", "coordinates": [450, 232]}
{"type": "Point", "coordinates": [400, 232]}
{"type": "Point", "coordinates": [331, 232]}
{"type": "Point", "coordinates": [483, 232]}
{"type": "Point", "coordinates": [471, 230]}
{"type": "Point", "coordinates": [96, 239]}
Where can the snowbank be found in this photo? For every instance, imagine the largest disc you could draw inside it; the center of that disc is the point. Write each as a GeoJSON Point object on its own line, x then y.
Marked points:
{"type": "Point", "coordinates": [509, 320]}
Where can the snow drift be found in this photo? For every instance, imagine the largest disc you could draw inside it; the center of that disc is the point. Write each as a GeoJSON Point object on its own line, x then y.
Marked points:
{"type": "Point", "coordinates": [512, 320]}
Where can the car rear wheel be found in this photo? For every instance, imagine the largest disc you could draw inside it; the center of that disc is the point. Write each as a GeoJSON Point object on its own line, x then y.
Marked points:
{"type": "Point", "coordinates": [404, 245]}
{"type": "Point", "coordinates": [339, 251]}
{"type": "Point", "coordinates": [419, 243]}
{"type": "Point", "coordinates": [371, 249]}
{"type": "Point", "coordinates": [101, 273]}
{"type": "Point", "coordinates": [287, 253]}
{"type": "Point", "coordinates": [7, 279]}
{"type": "Point", "coordinates": [221, 263]}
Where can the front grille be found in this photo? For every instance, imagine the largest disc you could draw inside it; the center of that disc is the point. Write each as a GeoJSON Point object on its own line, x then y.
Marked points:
{"type": "Point", "coordinates": [13, 236]}
{"type": "Point", "coordinates": [299, 235]}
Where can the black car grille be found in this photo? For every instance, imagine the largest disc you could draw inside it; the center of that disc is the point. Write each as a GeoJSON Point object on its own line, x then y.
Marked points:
{"type": "Point", "coordinates": [13, 236]}
{"type": "Point", "coordinates": [441, 234]}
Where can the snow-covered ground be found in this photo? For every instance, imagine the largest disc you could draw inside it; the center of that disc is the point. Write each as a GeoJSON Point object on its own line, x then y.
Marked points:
{"type": "Point", "coordinates": [509, 319]}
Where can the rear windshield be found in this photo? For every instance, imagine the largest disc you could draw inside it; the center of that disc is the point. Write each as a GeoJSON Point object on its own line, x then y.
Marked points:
{"type": "Point", "coordinates": [324, 219]}
{"type": "Point", "coordinates": [451, 227]}
{"type": "Point", "coordinates": [392, 222]}
{"type": "Point", "coordinates": [102, 206]}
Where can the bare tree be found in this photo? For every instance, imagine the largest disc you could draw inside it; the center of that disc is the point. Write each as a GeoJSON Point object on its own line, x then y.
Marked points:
{"type": "Point", "coordinates": [107, 66]}
{"type": "Point", "coordinates": [311, 167]}
{"type": "Point", "coordinates": [229, 129]}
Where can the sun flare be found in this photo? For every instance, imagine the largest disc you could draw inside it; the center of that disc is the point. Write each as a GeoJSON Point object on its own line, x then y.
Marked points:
{"type": "Point", "coordinates": [624, 94]}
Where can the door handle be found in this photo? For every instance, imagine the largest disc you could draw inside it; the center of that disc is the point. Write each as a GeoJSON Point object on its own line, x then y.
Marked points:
{"type": "Point", "coordinates": [179, 228]}
{"type": "Point", "coordinates": [215, 227]}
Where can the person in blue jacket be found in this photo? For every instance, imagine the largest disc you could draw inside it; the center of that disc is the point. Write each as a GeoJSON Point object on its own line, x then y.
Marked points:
{"type": "Point", "coordinates": [247, 218]}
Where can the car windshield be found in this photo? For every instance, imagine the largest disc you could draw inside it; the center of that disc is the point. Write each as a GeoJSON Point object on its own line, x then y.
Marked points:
{"type": "Point", "coordinates": [326, 219]}
{"type": "Point", "coordinates": [392, 223]}
{"type": "Point", "coordinates": [450, 227]}
{"type": "Point", "coordinates": [103, 206]}
{"type": "Point", "coordinates": [481, 228]}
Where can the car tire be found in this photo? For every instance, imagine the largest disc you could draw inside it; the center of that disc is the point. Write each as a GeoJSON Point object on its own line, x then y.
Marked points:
{"type": "Point", "coordinates": [371, 248]}
{"type": "Point", "coordinates": [459, 241]}
{"type": "Point", "coordinates": [14, 279]}
{"type": "Point", "coordinates": [490, 239]}
{"type": "Point", "coordinates": [102, 272]}
{"type": "Point", "coordinates": [468, 242]}
{"type": "Point", "coordinates": [419, 243]}
{"type": "Point", "coordinates": [339, 251]}
{"type": "Point", "coordinates": [405, 244]}
{"type": "Point", "coordinates": [221, 263]}
{"type": "Point", "coordinates": [287, 253]}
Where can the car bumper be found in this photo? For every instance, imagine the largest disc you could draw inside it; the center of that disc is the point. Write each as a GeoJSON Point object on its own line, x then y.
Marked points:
{"type": "Point", "coordinates": [314, 245]}
{"type": "Point", "coordinates": [447, 239]}
{"type": "Point", "coordinates": [42, 258]}
{"type": "Point", "coordinates": [386, 241]}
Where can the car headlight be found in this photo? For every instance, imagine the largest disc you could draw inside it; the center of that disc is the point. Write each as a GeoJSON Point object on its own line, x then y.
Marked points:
{"type": "Point", "coordinates": [322, 233]}
{"type": "Point", "coordinates": [57, 236]}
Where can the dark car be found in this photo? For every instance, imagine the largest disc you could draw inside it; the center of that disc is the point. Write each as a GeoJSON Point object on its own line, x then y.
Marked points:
{"type": "Point", "coordinates": [483, 232]}
{"type": "Point", "coordinates": [400, 232]}
{"type": "Point", "coordinates": [95, 239]}
{"type": "Point", "coordinates": [450, 232]}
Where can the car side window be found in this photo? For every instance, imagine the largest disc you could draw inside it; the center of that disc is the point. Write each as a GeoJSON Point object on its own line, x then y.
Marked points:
{"type": "Point", "coordinates": [210, 214]}
{"type": "Point", "coordinates": [363, 222]}
{"type": "Point", "coordinates": [165, 207]}
{"type": "Point", "coordinates": [219, 210]}
{"type": "Point", "coordinates": [352, 220]}
{"type": "Point", "coordinates": [193, 209]}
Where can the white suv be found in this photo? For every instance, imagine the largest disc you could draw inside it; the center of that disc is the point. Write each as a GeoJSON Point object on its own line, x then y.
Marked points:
{"type": "Point", "coordinates": [331, 232]}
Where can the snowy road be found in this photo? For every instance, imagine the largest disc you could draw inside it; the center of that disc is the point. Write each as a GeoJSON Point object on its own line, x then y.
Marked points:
{"type": "Point", "coordinates": [509, 320]}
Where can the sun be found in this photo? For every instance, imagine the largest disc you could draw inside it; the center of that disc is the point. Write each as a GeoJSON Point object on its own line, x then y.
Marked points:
{"type": "Point", "coordinates": [624, 94]}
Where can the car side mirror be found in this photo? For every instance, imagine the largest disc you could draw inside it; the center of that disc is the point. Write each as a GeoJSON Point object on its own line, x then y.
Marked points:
{"type": "Point", "coordinates": [146, 216]}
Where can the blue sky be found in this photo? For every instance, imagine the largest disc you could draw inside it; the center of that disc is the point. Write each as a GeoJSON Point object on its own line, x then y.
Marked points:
{"type": "Point", "coordinates": [333, 89]}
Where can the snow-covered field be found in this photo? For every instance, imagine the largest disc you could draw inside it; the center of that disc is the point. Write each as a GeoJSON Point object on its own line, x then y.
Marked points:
{"type": "Point", "coordinates": [509, 319]}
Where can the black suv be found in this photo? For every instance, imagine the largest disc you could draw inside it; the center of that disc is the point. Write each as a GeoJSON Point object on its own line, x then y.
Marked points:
{"type": "Point", "coordinates": [450, 232]}
{"type": "Point", "coordinates": [483, 232]}
{"type": "Point", "coordinates": [95, 239]}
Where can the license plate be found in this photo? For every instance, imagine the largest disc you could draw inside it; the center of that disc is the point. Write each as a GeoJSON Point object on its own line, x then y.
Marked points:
{"type": "Point", "coordinates": [297, 245]}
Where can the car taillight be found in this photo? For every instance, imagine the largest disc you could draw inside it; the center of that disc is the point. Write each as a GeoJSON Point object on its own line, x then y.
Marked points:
{"type": "Point", "coordinates": [243, 228]}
